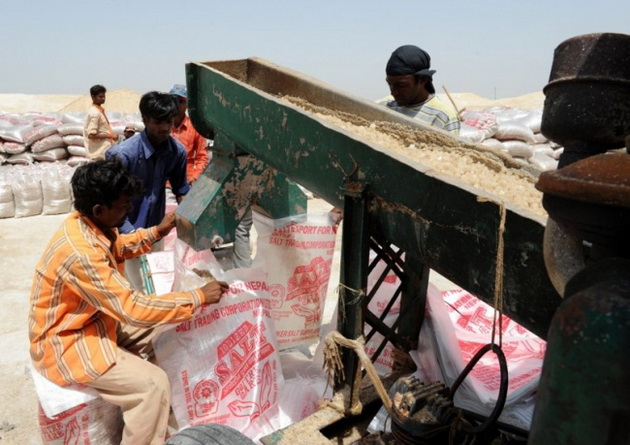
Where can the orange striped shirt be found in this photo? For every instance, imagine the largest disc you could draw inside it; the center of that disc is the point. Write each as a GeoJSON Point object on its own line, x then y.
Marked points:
{"type": "Point", "coordinates": [196, 148]}
{"type": "Point", "coordinates": [80, 295]}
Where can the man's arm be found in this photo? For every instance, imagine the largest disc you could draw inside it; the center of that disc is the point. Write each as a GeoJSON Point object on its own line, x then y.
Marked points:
{"type": "Point", "coordinates": [136, 242]}
{"type": "Point", "coordinates": [91, 129]}
{"type": "Point", "coordinates": [105, 288]}
{"type": "Point", "coordinates": [90, 126]}
{"type": "Point", "coordinates": [166, 225]}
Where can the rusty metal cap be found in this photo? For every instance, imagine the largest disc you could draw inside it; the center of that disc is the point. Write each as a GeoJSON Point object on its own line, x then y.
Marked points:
{"type": "Point", "coordinates": [600, 179]}
{"type": "Point", "coordinates": [592, 58]}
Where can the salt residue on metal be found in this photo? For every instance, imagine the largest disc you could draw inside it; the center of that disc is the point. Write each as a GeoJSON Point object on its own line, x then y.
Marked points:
{"type": "Point", "coordinates": [478, 166]}
{"type": "Point", "coordinates": [238, 192]}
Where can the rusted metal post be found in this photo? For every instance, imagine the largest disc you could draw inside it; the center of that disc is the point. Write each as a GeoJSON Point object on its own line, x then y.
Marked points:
{"type": "Point", "coordinates": [414, 299]}
{"type": "Point", "coordinates": [353, 285]}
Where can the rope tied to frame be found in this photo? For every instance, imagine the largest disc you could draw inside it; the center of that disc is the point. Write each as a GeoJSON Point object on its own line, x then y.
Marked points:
{"type": "Point", "coordinates": [498, 272]}
{"type": "Point", "coordinates": [492, 346]}
{"type": "Point", "coordinates": [344, 291]}
{"type": "Point", "coordinates": [334, 365]}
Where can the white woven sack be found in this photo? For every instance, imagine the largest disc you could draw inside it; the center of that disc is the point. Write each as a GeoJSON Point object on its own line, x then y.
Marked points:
{"type": "Point", "coordinates": [297, 253]}
{"type": "Point", "coordinates": [223, 364]}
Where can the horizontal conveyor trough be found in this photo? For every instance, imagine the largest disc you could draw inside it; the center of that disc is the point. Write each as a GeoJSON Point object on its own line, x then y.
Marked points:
{"type": "Point", "coordinates": [436, 219]}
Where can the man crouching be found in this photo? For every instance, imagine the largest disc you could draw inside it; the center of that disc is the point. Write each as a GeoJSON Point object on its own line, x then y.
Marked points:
{"type": "Point", "coordinates": [87, 324]}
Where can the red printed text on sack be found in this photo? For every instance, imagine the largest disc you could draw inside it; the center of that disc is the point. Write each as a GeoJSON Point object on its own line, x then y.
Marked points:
{"type": "Point", "coordinates": [239, 353]}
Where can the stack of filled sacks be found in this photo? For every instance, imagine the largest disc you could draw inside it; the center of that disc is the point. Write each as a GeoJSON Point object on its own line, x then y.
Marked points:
{"type": "Point", "coordinates": [38, 154]}
{"type": "Point", "coordinates": [39, 188]}
{"type": "Point", "coordinates": [514, 131]}
{"type": "Point", "coordinates": [37, 137]}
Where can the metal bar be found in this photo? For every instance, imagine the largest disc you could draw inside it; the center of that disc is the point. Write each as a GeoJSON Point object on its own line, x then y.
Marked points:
{"type": "Point", "coordinates": [353, 284]}
{"type": "Point", "coordinates": [389, 335]}
{"type": "Point", "coordinates": [414, 299]}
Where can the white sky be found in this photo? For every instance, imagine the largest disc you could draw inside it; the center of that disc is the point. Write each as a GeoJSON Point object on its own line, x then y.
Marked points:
{"type": "Point", "coordinates": [495, 48]}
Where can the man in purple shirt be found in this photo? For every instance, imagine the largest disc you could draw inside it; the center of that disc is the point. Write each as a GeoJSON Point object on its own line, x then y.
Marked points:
{"type": "Point", "coordinates": [155, 157]}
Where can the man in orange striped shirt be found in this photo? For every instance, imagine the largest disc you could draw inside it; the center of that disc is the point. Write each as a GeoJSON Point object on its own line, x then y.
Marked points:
{"type": "Point", "coordinates": [86, 323]}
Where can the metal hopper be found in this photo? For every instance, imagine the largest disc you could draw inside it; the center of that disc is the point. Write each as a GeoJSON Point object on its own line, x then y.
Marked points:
{"type": "Point", "coordinates": [264, 144]}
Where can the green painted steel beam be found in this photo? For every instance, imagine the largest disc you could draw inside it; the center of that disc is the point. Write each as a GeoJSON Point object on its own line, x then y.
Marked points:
{"type": "Point", "coordinates": [355, 251]}
{"type": "Point", "coordinates": [223, 192]}
{"type": "Point", "coordinates": [438, 218]}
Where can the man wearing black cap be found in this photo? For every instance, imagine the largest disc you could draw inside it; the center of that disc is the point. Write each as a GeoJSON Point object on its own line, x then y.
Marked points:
{"type": "Point", "coordinates": [410, 81]}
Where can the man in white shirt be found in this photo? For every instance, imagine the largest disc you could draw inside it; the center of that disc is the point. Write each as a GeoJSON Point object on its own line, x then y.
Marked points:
{"type": "Point", "coordinates": [97, 132]}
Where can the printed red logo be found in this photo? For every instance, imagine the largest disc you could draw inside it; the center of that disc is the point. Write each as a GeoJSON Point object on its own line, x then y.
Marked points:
{"type": "Point", "coordinates": [277, 293]}
{"type": "Point", "coordinates": [206, 395]}
{"type": "Point", "coordinates": [253, 410]}
{"type": "Point", "coordinates": [308, 285]}
{"type": "Point", "coordinates": [238, 354]}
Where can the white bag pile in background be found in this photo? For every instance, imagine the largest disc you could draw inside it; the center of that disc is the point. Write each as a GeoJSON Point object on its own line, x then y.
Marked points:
{"type": "Point", "coordinates": [513, 131]}
{"type": "Point", "coordinates": [72, 133]}
{"type": "Point", "coordinates": [27, 192]}
{"type": "Point", "coordinates": [40, 188]}
{"type": "Point", "coordinates": [36, 146]}
{"type": "Point", "coordinates": [11, 148]}
{"type": "Point", "coordinates": [296, 252]}
{"type": "Point", "coordinates": [37, 137]}
{"type": "Point", "coordinates": [51, 155]}
{"type": "Point", "coordinates": [54, 140]}
{"type": "Point", "coordinates": [7, 203]}
{"type": "Point", "coordinates": [56, 188]}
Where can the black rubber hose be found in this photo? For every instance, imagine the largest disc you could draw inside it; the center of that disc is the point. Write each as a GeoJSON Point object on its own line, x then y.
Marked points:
{"type": "Point", "coordinates": [503, 388]}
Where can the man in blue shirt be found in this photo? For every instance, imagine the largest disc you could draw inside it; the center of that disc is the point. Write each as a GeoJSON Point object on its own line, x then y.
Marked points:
{"type": "Point", "coordinates": [155, 157]}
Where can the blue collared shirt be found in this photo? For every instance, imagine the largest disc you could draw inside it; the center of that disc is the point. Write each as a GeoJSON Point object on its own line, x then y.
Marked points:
{"type": "Point", "coordinates": [153, 167]}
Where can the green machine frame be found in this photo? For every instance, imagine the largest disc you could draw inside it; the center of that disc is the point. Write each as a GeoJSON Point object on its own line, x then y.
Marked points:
{"type": "Point", "coordinates": [264, 145]}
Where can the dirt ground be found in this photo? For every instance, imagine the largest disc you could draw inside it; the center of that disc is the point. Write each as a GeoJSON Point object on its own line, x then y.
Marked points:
{"type": "Point", "coordinates": [22, 240]}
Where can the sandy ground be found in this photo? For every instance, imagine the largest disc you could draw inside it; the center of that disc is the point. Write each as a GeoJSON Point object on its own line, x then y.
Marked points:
{"type": "Point", "coordinates": [22, 240]}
